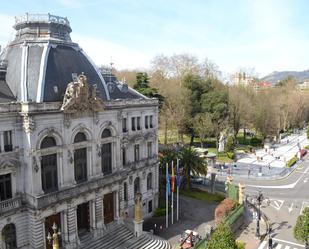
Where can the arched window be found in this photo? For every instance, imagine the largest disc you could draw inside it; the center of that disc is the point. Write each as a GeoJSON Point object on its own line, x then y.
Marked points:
{"type": "Point", "coordinates": [9, 236]}
{"type": "Point", "coordinates": [125, 192]}
{"type": "Point", "coordinates": [106, 153]}
{"type": "Point", "coordinates": [80, 137]}
{"type": "Point", "coordinates": [49, 174]}
{"type": "Point", "coordinates": [136, 186]}
{"type": "Point", "coordinates": [106, 133]}
{"type": "Point", "coordinates": [80, 159]}
{"type": "Point", "coordinates": [149, 181]}
{"type": "Point", "coordinates": [48, 142]}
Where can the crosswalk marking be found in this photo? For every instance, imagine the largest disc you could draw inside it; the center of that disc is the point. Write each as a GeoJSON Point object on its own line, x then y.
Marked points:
{"type": "Point", "coordinates": [281, 244]}
{"type": "Point", "coordinates": [262, 245]}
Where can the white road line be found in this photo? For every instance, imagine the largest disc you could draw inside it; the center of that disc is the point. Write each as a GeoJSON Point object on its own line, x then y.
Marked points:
{"type": "Point", "coordinates": [306, 180]}
{"type": "Point", "coordinates": [278, 246]}
{"type": "Point", "coordinates": [262, 244]}
{"type": "Point", "coordinates": [288, 242]}
{"type": "Point", "coordinates": [291, 207]}
{"type": "Point", "coordinates": [287, 247]}
{"type": "Point", "coordinates": [303, 205]}
{"type": "Point", "coordinates": [288, 186]}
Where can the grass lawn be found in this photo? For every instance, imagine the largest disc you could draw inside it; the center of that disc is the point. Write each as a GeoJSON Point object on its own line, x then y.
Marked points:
{"type": "Point", "coordinates": [202, 195]}
{"type": "Point", "coordinates": [221, 157]}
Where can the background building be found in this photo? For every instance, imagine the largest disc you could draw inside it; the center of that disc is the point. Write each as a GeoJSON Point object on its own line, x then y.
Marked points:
{"type": "Point", "coordinates": [74, 154]}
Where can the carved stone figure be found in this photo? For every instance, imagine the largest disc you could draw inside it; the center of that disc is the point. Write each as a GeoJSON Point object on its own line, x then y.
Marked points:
{"type": "Point", "coordinates": [28, 123]}
{"type": "Point", "coordinates": [138, 208]}
{"type": "Point", "coordinates": [79, 98]}
{"type": "Point", "coordinates": [222, 142]}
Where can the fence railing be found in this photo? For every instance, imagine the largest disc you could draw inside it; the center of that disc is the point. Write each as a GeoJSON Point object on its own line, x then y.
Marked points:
{"type": "Point", "coordinates": [10, 204]}
{"type": "Point", "coordinates": [235, 215]}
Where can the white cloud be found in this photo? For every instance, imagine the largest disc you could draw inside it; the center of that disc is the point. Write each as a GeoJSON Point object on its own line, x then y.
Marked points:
{"type": "Point", "coordinates": [102, 52]}
{"type": "Point", "coordinates": [6, 30]}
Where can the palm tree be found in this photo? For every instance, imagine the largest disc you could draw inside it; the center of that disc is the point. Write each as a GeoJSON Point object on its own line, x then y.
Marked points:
{"type": "Point", "coordinates": [191, 162]}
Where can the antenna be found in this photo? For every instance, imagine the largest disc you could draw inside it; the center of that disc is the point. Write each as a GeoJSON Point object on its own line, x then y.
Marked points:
{"type": "Point", "coordinates": [111, 70]}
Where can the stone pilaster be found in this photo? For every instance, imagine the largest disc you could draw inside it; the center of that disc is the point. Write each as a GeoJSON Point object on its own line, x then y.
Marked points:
{"type": "Point", "coordinates": [37, 232]}
{"type": "Point", "coordinates": [99, 213]}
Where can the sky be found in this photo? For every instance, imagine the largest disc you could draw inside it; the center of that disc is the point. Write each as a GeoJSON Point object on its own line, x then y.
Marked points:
{"type": "Point", "coordinates": [256, 35]}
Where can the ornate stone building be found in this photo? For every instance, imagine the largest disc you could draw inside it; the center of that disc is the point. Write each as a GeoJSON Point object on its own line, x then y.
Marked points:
{"type": "Point", "coordinates": [76, 146]}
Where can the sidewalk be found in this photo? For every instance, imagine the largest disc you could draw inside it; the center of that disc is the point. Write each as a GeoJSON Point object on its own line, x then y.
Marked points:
{"type": "Point", "coordinates": [247, 231]}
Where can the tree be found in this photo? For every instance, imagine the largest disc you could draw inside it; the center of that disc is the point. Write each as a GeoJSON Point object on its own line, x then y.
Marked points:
{"type": "Point", "coordinates": [222, 237]}
{"type": "Point", "coordinates": [301, 229]}
{"type": "Point", "coordinates": [203, 126]}
{"type": "Point", "coordinates": [142, 85]}
{"type": "Point", "coordinates": [215, 102]}
{"type": "Point", "coordinates": [191, 162]}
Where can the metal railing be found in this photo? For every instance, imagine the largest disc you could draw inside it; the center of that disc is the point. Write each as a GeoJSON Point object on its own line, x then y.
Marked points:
{"type": "Point", "coordinates": [44, 18]}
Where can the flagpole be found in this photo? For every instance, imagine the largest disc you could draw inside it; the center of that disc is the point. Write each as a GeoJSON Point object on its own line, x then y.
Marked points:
{"type": "Point", "coordinates": [177, 210]}
{"type": "Point", "coordinates": [166, 193]}
{"type": "Point", "coordinates": [173, 184]}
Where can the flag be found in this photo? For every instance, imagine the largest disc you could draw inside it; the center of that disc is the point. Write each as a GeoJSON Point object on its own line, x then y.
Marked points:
{"type": "Point", "coordinates": [173, 179]}
{"type": "Point", "coordinates": [178, 174]}
{"type": "Point", "coordinates": [168, 186]}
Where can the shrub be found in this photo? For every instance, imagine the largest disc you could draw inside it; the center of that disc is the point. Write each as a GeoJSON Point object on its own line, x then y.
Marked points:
{"type": "Point", "coordinates": [230, 155]}
{"type": "Point", "coordinates": [307, 147]}
{"type": "Point", "coordinates": [159, 212]}
{"type": "Point", "coordinates": [255, 141]}
{"type": "Point", "coordinates": [308, 132]}
{"type": "Point", "coordinates": [292, 161]}
{"type": "Point", "coordinates": [224, 208]}
{"type": "Point", "coordinates": [230, 144]}
{"type": "Point", "coordinates": [222, 238]}
{"type": "Point", "coordinates": [240, 245]}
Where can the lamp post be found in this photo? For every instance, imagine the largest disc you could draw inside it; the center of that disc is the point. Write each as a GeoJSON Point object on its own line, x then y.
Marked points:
{"type": "Point", "coordinates": [55, 238]}
{"type": "Point", "coordinates": [258, 200]}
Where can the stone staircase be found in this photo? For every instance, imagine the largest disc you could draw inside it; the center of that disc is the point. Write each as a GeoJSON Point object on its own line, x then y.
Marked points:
{"type": "Point", "coordinates": [119, 236]}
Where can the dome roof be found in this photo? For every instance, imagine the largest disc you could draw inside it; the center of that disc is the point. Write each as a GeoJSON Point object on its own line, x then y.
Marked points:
{"type": "Point", "coordinates": [42, 60]}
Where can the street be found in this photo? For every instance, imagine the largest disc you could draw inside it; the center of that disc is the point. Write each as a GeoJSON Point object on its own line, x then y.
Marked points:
{"type": "Point", "coordinates": [287, 198]}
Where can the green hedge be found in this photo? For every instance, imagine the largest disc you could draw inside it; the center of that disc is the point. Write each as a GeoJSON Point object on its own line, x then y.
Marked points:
{"type": "Point", "coordinates": [292, 161]}
{"type": "Point", "coordinates": [307, 147]}
{"type": "Point", "coordinates": [235, 214]}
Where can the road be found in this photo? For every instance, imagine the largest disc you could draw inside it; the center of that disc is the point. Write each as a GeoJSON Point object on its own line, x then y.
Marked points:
{"type": "Point", "coordinates": [287, 198]}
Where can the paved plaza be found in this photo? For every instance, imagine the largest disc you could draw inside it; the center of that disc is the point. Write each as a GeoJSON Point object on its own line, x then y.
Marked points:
{"type": "Point", "coordinates": [194, 214]}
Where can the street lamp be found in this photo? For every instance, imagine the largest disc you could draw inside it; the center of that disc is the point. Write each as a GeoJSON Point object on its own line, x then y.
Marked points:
{"type": "Point", "coordinates": [258, 199]}
{"type": "Point", "coordinates": [55, 238]}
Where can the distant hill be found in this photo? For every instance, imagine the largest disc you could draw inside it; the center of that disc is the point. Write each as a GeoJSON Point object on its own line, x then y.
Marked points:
{"type": "Point", "coordinates": [275, 76]}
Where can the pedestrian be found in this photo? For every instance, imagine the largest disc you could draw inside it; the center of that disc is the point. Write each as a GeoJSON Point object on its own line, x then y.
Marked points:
{"type": "Point", "coordinates": [269, 166]}
{"type": "Point", "coordinates": [249, 173]}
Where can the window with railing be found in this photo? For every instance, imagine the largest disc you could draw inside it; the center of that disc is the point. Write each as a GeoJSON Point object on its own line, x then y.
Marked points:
{"type": "Point", "coordinates": [136, 152]}
{"type": "Point", "coordinates": [80, 159]}
{"type": "Point", "coordinates": [146, 122]}
{"type": "Point", "coordinates": [5, 187]}
{"type": "Point", "coordinates": [138, 123]}
{"type": "Point", "coordinates": [124, 125]}
{"type": "Point", "coordinates": [151, 121]}
{"type": "Point", "coordinates": [7, 137]}
{"type": "Point", "coordinates": [149, 181]}
{"type": "Point", "coordinates": [133, 124]}
{"type": "Point", "coordinates": [149, 149]}
{"type": "Point", "coordinates": [49, 172]}
{"type": "Point", "coordinates": [136, 186]}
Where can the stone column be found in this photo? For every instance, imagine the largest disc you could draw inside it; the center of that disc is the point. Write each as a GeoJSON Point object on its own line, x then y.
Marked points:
{"type": "Point", "coordinates": [116, 194]}
{"type": "Point", "coordinates": [99, 214]}
{"type": "Point", "coordinates": [37, 231]}
{"type": "Point", "coordinates": [72, 225]}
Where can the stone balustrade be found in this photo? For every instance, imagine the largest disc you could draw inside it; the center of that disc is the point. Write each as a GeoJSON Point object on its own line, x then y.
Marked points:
{"type": "Point", "coordinates": [9, 205]}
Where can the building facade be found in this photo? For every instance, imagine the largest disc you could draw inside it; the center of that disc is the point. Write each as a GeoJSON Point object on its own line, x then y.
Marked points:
{"type": "Point", "coordinates": [76, 146]}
